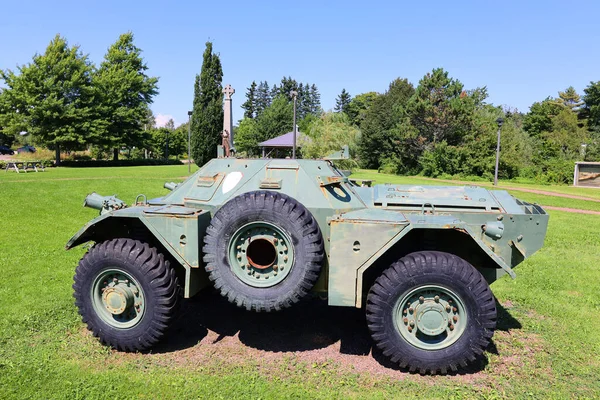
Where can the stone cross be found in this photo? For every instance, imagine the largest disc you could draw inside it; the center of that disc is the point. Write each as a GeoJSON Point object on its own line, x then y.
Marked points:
{"type": "Point", "coordinates": [228, 91]}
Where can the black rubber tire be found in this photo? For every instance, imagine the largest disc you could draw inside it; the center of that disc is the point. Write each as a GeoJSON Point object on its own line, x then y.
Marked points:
{"type": "Point", "coordinates": [156, 278]}
{"type": "Point", "coordinates": [427, 268]}
{"type": "Point", "coordinates": [288, 215]}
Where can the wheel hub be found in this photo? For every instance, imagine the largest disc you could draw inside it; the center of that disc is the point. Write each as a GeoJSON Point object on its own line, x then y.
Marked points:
{"type": "Point", "coordinates": [261, 254]}
{"type": "Point", "coordinates": [430, 317]}
{"type": "Point", "coordinates": [117, 298]}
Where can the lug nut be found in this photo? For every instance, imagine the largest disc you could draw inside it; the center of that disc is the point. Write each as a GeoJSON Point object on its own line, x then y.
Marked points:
{"type": "Point", "coordinates": [447, 308]}
{"type": "Point", "coordinates": [405, 320]}
{"type": "Point", "coordinates": [115, 280]}
{"type": "Point", "coordinates": [412, 323]}
{"type": "Point", "coordinates": [454, 309]}
{"type": "Point", "coordinates": [239, 247]}
{"type": "Point", "coordinates": [437, 299]}
{"type": "Point", "coordinates": [421, 299]}
{"type": "Point", "coordinates": [411, 310]}
{"type": "Point", "coordinates": [275, 267]}
{"type": "Point", "coordinates": [455, 319]}
{"type": "Point", "coordinates": [410, 328]}
{"type": "Point", "coordinates": [285, 258]}
{"type": "Point", "coordinates": [451, 327]}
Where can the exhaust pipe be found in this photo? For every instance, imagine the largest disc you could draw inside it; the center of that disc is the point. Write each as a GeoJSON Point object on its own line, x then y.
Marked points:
{"type": "Point", "coordinates": [103, 203]}
{"type": "Point", "coordinates": [171, 185]}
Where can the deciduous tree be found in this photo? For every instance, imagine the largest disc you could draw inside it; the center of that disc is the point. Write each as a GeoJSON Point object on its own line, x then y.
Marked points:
{"type": "Point", "coordinates": [52, 98]}
{"type": "Point", "coordinates": [125, 92]}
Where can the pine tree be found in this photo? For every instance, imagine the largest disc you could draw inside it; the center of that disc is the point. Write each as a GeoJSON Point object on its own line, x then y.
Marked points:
{"type": "Point", "coordinates": [263, 98]}
{"type": "Point", "coordinates": [207, 117]}
{"type": "Point", "coordinates": [342, 102]}
{"type": "Point", "coordinates": [249, 105]}
{"type": "Point", "coordinates": [125, 94]}
{"type": "Point", "coordinates": [570, 99]}
{"type": "Point", "coordinates": [315, 100]}
{"type": "Point", "coordinates": [52, 98]}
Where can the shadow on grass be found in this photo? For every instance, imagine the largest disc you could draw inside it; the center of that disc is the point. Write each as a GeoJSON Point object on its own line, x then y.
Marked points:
{"type": "Point", "coordinates": [309, 325]}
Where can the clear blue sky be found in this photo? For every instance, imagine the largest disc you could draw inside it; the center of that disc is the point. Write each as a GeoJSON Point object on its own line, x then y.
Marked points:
{"type": "Point", "coordinates": [523, 51]}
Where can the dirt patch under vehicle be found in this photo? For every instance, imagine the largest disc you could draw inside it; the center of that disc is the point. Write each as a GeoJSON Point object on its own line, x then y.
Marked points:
{"type": "Point", "coordinates": [210, 333]}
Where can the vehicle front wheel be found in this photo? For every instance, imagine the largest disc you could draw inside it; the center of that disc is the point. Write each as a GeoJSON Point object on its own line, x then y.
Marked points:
{"type": "Point", "coordinates": [431, 311]}
{"type": "Point", "coordinates": [127, 293]}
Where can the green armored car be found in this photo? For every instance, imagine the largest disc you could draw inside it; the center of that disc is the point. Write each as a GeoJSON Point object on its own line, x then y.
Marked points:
{"type": "Point", "coordinates": [267, 232]}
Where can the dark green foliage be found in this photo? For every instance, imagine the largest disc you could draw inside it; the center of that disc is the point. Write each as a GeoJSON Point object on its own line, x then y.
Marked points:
{"type": "Point", "coordinates": [207, 117]}
{"type": "Point", "coordinates": [592, 104]}
{"type": "Point", "coordinates": [359, 106]}
{"type": "Point", "coordinates": [52, 98]}
{"type": "Point", "coordinates": [118, 163]}
{"type": "Point", "coordinates": [539, 118]}
{"type": "Point", "coordinates": [249, 105]}
{"type": "Point", "coordinates": [263, 98]}
{"type": "Point", "coordinates": [125, 93]}
{"type": "Point", "coordinates": [259, 97]}
{"type": "Point", "coordinates": [275, 120]}
{"type": "Point", "coordinates": [377, 144]}
{"type": "Point", "coordinates": [342, 102]}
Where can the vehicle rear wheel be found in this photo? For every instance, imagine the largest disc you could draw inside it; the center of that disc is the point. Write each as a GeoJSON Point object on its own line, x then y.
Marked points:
{"type": "Point", "coordinates": [431, 311]}
{"type": "Point", "coordinates": [263, 251]}
{"type": "Point", "coordinates": [127, 293]}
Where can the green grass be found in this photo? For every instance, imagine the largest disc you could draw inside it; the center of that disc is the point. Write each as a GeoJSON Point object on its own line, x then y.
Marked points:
{"type": "Point", "coordinates": [45, 351]}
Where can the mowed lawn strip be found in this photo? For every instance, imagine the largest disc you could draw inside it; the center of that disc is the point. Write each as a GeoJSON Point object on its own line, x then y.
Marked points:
{"type": "Point", "coordinates": [547, 345]}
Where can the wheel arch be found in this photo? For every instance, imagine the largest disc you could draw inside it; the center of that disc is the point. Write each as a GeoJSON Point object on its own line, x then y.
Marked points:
{"type": "Point", "coordinates": [453, 241]}
{"type": "Point", "coordinates": [107, 227]}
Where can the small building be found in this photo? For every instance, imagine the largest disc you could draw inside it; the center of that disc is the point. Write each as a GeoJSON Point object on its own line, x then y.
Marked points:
{"type": "Point", "coordinates": [281, 146]}
{"type": "Point", "coordinates": [587, 174]}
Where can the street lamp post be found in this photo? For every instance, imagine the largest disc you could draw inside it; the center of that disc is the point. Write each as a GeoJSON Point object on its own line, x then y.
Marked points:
{"type": "Point", "coordinates": [499, 121]}
{"type": "Point", "coordinates": [189, 141]}
{"type": "Point", "coordinates": [294, 95]}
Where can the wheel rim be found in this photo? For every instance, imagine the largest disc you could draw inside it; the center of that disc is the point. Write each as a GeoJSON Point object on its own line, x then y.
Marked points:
{"type": "Point", "coordinates": [430, 317]}
{"type": "Point", "coordinates": [261, 254]}
{"type": "Point", "coordinates": [117, 298]}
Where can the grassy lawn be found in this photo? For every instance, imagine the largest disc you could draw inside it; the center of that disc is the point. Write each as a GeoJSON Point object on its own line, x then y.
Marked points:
{"type": "Point", "coordinates": [547, 344]}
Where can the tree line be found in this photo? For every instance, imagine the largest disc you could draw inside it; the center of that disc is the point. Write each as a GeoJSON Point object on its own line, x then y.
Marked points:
{"type": "Point", "coordinates": [435, 128]}
{"type": "Point", "coordinates": [67, 103]}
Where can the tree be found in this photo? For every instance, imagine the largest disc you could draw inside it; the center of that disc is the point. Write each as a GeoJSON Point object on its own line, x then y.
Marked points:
{"type": "Point", "coordinates": [342, 102]}
{"type": "Point", "coordinates": [277, 119]}
{"type": "Point", "coordinates": [569, 99]}
{"type": "Point", "coordinates": [207, 116]}
{"type": "Point", "coordinates": [125, 94]}
{"type": "Point", "coordinates": [359, 105]}
{"type": "Point", "coordinates": [314, 104]}
{"type": "Point", "coordinates": [249, 105]}
{"type": "Point", "coordinates": [263, 98]}
{"type": "Point", "coordinates": [388, 110]}
{"type": "Point", "coordinates": [328, 134]}
{"type": "Point", "coordinates": [592, 105]}
{"type": "Point", "coordinates": [52, 98]}
{"type": "Point", "coordinates": [440, 108]}
{"type": "Point", "coordinates": [246, 137]}
{"type": "Point", "coordinates": [539, 117]}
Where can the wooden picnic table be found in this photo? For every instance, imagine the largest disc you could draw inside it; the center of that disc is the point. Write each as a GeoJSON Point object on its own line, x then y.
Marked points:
{"type": "Point", "coordinates": [24, 166]}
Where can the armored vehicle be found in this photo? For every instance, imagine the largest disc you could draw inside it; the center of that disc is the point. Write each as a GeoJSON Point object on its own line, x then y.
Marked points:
{"type": "Point", "coordinates": [267, 232]}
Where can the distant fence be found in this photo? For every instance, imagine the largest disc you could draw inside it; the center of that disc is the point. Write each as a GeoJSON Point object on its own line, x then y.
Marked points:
{"type": "Point", "coordinates": [587, 174]}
